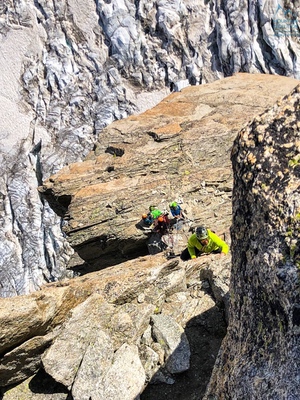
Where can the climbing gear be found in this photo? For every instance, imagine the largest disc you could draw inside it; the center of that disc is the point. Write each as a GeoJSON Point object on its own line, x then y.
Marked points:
{"type": "Point", "coordinates": [154, 243]}
{"type": "Point", "coordinates": [201, 233]}
{"type": "Point", "coordinates": [171, 254]}
{"type": "Point", "coordinates": [178, 225]}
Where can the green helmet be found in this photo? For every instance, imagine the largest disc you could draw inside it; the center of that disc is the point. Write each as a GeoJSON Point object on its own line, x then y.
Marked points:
{"type": "Point", "coordinates": [201, 233]}
{"type": "Point", "coordinates": [151, 208]}
{"type": "Point", "coordinates": [173, 204]}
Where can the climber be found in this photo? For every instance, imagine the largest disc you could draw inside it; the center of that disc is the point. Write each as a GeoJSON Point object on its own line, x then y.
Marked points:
{"type": "Point", "coordinates": [203, 241]}
{"type": "Point", "coordinates": [147, 219]}
{"type": "Point", "coordinates": [162, 225]}
{"type": "Point", "coordinates": [155, 213]}
{"type": "Point", "coordinates": [176, 210]}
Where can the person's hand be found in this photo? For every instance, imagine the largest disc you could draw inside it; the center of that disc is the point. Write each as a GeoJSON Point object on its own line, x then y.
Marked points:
{"type": "Point", "coordinates": [193, 257]}
{"type": "Point", "coordinates": [222, 254]}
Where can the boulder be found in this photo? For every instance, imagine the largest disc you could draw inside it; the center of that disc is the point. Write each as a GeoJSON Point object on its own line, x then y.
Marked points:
{"type": "Point", "coordinates": [122, 321]}
{"type": "Point", "coordinates": [173, 340]}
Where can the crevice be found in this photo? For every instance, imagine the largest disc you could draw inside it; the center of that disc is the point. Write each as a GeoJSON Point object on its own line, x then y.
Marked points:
{"type": "Point", "coordinates": [41, 9]}
{"type": "Point", "coordinates": [38, 167]}
{"type": "Point", "coordinates": [103, 252]}
{"type": "Point", "coordinates": [58, 204]}
{"type": "Point", "coordinates": [84, 227]}
{"type": "Point", "coordinates": [115, 151]}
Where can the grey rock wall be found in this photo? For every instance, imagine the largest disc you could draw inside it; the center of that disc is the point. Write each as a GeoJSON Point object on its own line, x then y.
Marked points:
{"type": "Point", "coordinates": [69, 68]}
{"type": "Point", "coordinates": [259, 357]}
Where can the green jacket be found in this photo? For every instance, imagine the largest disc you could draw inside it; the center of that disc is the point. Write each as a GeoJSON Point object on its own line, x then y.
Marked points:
{"type": "Point", "coordinates": [214, 243]}
{"type": "Point", "coordinates": [156, 213]}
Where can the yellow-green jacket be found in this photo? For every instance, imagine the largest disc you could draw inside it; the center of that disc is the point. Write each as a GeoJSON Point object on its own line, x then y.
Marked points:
{"type": "Point", "coordinates": [214, 244]}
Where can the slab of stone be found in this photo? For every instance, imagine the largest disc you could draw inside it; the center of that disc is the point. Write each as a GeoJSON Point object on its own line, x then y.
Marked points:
{"type": "Point", "coordinates": [126, 377]}
{"type": "Point", "coordinates": [178, 150]}
{"type": "Point", "coordinates": [170, 335]}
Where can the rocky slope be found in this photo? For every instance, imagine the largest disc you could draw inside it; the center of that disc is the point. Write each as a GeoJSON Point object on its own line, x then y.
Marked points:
{"type": "Point", "coordinates": [108, 334]}
{"type": "Point", "coordinates": [178, 150]}
{"type": "Point", "coordinates": [69, 68]}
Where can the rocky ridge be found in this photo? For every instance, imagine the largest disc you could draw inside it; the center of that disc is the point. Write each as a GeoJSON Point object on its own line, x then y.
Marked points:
{"type": "Point", "coordinates": [178, 150]}
{"type": "Point", "coordinates": [117, 329]}
{"type": "Point", "coordinates": [70, 68]}
{"type": "Point", "coordinates": [144, 308]}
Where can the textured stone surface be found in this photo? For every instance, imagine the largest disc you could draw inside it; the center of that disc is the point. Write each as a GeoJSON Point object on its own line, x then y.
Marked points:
{"type": "Point", "coordinates": [69, 68]}
{"type": "Point", "coordinates": [126, 377]}
{"type": "Point", "coordinates": [97, 358]}
{"type": "Point", "coordinates": [179, 149]}
{"type": "Point", "coordinates": [80, 332]}
{"type": "Point", "coordinates": [260, 354]}
{"type": "Point", "coordinates": [78, 335]}
{"type": "Point", "coordinates": [23, 361]}
{"type": "Point", "coordinates": [173, 340]}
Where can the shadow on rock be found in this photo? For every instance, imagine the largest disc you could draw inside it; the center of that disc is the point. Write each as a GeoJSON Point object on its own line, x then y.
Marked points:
{"type": "Point", "coordinates": [205, 333]}
{"type": "Point", "coordinates": [39, 386]}
{"type": "Point", "coordinates": [44, 383]}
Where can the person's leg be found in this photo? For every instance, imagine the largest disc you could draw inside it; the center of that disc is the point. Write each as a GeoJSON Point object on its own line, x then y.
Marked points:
{"type": "Point", "coordinates": [185, 255]}
{"type": "Point", "coordinates": [172, 221]}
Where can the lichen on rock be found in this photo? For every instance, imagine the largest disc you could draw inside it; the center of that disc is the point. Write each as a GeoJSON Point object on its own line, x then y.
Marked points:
{"type": "Point", "coordinates": [260, 354]}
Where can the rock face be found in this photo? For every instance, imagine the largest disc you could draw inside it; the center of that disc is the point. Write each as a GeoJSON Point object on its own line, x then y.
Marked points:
{"type": "Point", "coordinates": [179, 150]}
{"type": "Point", "coordinates": [131, 320]}
{"type": "Point", "coordinates": [69, 68]}
{"type": "Point", "coordinates": [107, 334]}
{"type": "Point", "coordinates": [260, 355]}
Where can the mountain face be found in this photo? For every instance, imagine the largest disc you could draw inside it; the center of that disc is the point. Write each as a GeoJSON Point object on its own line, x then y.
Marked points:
{"type": "Point", "coordinates": [178, 150]}
{"type": "Point", "coordinates": [70, 68]}
{"type": "Point", "coordinates": [74, 183]}
{"type": "Point", "coordinates": [111, 333]}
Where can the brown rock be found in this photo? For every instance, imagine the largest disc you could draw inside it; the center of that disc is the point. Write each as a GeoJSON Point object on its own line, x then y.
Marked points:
{"type": "Point", "coordinates": [178, 150]}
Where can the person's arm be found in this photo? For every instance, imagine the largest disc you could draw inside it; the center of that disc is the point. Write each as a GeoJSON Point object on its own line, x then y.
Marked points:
{"type": "Point", "coordinates": [181, 215]}
{"type": "Point", "coordinates": [193, 244]}
{"type": "Point", "coordinates": [192, 252]}
{"type": "Point", "coordinates": [219, 242]}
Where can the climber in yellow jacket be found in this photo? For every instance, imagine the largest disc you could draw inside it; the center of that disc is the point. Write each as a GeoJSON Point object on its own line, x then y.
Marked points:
{"type": "Point", "coordinates": [203, 241]}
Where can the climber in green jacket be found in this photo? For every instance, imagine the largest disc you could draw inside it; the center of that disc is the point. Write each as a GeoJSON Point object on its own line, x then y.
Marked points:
{"type": "Point", "coordinates": [203, 241]}
{"type": "Point", "coordinates": [155, 213]}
